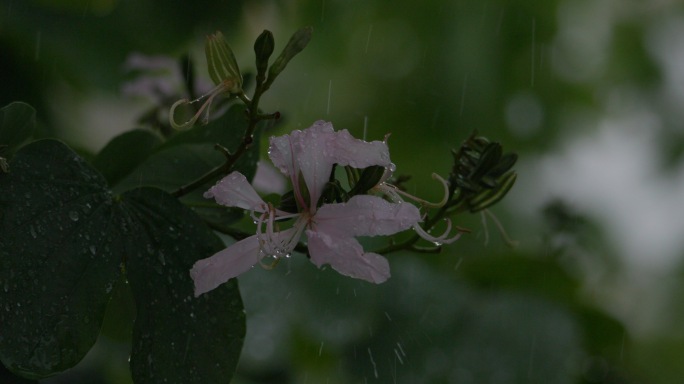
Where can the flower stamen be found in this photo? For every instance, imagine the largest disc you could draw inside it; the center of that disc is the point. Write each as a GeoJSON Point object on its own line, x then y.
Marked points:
{"type": "Point", "coordinates": [222, 87]}
{"type": "Point", "coordinates": [438, 240]}
{"type": "Point", "coordinates": [395, 193]}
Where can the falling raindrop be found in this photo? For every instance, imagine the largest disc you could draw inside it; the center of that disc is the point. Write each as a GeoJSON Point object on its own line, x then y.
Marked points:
{"type": "Point", "coordinates": [73, 215]}
{"type": "Point", "coordinates": [370, 30]}
{"type": "Point", "coordinates": [375, 367]}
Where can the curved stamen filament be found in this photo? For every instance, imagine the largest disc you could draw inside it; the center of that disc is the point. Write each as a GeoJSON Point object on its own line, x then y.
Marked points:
{"type": "Point", "coordinates": [425, 202]}
{"type": "Point", "coordinates": [437, 240]}
{"type": "Point", "coordinates": [274, 242]}
{"type": "Point", "coordinates": [510, 242]}
{"type": "Point", "coordinates": [394, 193]}
{"type": "Point", "coordinates": [211, 95]}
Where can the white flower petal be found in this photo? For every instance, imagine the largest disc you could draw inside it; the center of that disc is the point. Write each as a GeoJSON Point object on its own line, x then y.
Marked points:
{"type": "Point", "coordinates": [344, 149]}
{"type": "Point", "coordinates": [306, 152]}
{"type": "Point", "coordinates": [235, 191]}
{"type": "Point", "coordinates": [346, 256]}
{"type": "Point", "coordinates": [365, 215]}
{"type": "Point", "coordinates": [267, 179]}
{"type": "Point", "coordinates": [213, 271]}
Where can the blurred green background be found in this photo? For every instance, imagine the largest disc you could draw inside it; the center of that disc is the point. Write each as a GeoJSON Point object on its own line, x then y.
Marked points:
{"type": "Point", "coordinates": [588, 93]}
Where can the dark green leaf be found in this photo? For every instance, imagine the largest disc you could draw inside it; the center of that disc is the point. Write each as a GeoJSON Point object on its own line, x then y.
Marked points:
{"type": "Point", "coordinates": [176, 166]}
{"type": "Point", "coordinates": [177, 337]}
{"type": "Point", "coordinates": [172, 167]}
{"type": "Point", "coordinates": [59, 258]}
{"type": "Point", "coordinates": [17, 122]}
{"type": "Point", "coordinates": [189, 154]}
{"type": "Point", "coordinates": [63, 242]}
{"type": "Point", "coordinates": [124, 152]}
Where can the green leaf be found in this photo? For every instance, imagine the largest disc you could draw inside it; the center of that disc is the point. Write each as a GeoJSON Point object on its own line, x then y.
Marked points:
{"type": "Point", "coordinates": [124, 152]}
{"type": "Point", "coordinates": [190, 154]}
{"type": "Point", "coordinates": [17, 123]}
{"type": "Point", "coordinates": [7, 377]}
{"type": "Point", "coordinates": [59, 258]}
{"type": "Point", "coordinates": [172, 167]}
{"type": "Point", "coordinates": [177, 337]}
{"type": "Point", "coordinates": [176, 166]}
{"type": "Point", "coordinates": [64, 238]}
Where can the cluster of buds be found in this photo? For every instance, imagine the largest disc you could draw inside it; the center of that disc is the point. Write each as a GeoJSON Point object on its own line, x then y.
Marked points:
{"type": "Point", "coordinates": [481, 175]}
{"type": "Point", "coordinates": [225, 72]}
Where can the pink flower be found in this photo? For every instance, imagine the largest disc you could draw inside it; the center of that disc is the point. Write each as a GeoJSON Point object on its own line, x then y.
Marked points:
{"type": "Point", "coordinates": [307, 158]}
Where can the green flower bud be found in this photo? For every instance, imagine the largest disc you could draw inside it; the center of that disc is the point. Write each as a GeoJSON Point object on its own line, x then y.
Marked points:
{"type": "Point", "coordinates": [263, 49]}
{"type": "Point", "coordinates": [297, 43]}
{"type": "Point", "coordinates": [223, 68]}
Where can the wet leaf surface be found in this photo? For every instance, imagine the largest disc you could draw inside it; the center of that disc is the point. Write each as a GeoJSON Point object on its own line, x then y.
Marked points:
{"type": "Point", "coordinates": [177, 337]}
{"type": "Point", "coordinates": [124, 152]}
{"type": "Point", "coordinates": [189, 154]}
{"type": "Point", "coordinates": [64, 240]}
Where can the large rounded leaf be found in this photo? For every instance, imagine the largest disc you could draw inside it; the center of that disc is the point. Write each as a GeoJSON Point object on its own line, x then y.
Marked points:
{"type": "Point", "coordinates": [64, 240]}
{"type": "Point", "coordinates": [59, 258]}
{"type": "Point", "coordinates": [178, 338]}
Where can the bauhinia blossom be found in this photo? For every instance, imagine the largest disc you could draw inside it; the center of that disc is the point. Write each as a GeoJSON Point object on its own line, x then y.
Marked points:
{"type": "Point", "coordinates": [307, 158]}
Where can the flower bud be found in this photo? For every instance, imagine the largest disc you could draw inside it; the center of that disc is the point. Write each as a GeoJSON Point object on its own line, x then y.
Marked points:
{"type": "Point", "coordinates": [223, 68]}
{"type": "Point", "coordinates": [482, 174]}
{"type": "Point", "coordinates": [263, 49]}
{"type": "Point", "coordinates": [297, 43]}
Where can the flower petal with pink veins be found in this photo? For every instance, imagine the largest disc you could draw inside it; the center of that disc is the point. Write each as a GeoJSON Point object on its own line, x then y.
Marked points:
{"type": "Point", "coordinates": [213, 271]}
{"type": "Point", "coordinates": [346, 256]}
{"type": "Point", "coordinates": [235, 191]}
{"type": "Point", "coordinates": [306, 152]}
{"type": "Point", "coordinates": [313, 152]}
{"type": "Point", "coordinates": [365, 215]}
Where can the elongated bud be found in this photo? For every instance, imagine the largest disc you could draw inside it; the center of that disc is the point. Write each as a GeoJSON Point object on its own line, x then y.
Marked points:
{"type": "Point", "coordinates": [223, 68]}
{"type": "Point", "coordinates": [297, 43]}
{"type": "Point", "coordinates": [263, 49]}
